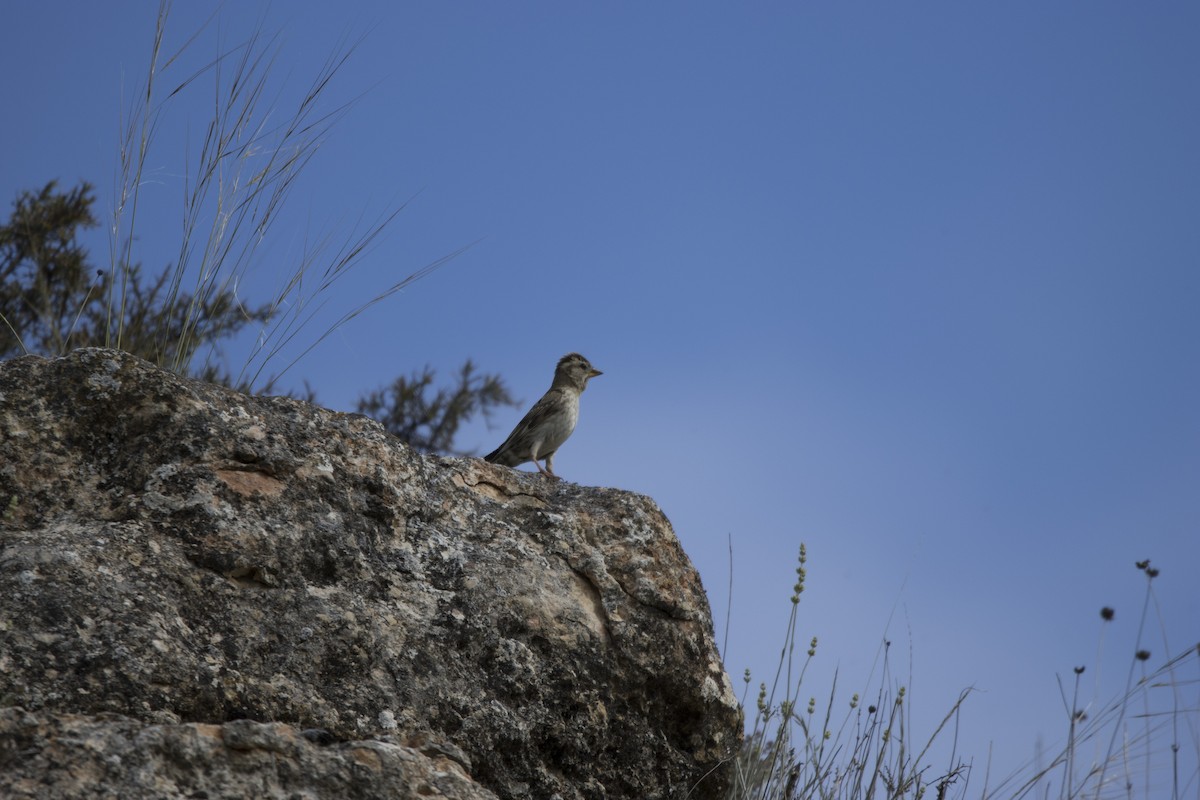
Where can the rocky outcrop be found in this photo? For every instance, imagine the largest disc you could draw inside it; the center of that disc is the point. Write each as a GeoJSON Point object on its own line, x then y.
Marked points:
{"type": "Point", "coordinates": [203, 589]}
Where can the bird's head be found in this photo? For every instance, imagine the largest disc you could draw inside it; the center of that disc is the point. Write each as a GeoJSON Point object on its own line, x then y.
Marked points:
{"type": "Point", "coordinates": [574, 370]}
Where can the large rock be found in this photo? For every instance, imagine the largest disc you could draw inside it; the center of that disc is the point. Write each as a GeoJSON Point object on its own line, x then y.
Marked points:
{"type": "Point", "coordinates": [176, 557]}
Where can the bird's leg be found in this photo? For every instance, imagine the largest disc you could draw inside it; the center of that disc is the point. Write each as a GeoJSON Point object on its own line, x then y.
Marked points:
{"type": "Point", "coordinates": [550, 466]}
{"type": "Point", "coordinates": [533, 456]}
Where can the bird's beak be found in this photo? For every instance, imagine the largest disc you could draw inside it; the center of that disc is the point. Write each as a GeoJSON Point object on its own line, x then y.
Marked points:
{"type": "Point", "coordinates": [594, 372]}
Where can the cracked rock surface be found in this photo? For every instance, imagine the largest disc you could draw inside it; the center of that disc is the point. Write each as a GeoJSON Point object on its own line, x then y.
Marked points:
{"type": "Point", "coordinates": [177, 558]}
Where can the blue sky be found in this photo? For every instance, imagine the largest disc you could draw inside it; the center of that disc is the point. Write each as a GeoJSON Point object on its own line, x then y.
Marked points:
{"type": "Point", "coordinates": [916, 285]}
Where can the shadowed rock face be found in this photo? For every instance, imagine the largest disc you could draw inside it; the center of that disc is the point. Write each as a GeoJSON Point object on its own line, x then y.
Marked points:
{"type": "Point", "coordinates": [108, 755]}
{"type": "Point", "coordinates": [175, 556]}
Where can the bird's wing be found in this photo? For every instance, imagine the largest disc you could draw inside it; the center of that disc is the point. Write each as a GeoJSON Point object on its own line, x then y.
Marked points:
{"type": "Point", "coordinates": [533, 418]}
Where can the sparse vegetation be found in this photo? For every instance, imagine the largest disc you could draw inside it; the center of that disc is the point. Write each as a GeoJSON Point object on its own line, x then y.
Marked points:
{"type": "Point", "coordinates": [1146, 740]}
{"type": "Point", "coordinates": [236, 184]}
{"type": "Point", "coordinates": [430, 423]}
{"type": "Point", "coordinates": [52, 298]}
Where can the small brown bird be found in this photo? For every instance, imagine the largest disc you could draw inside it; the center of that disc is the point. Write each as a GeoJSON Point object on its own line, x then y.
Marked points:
{"type": "Point", "coordinates": [552, 419]}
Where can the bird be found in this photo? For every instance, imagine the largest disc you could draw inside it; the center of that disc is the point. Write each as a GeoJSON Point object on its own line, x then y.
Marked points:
{"type": "Point", "coordinates": [552, 419]}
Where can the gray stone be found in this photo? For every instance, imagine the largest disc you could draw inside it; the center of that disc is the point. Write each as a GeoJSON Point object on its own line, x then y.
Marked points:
{"type": "Point", "coordinates": [178, 560]}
